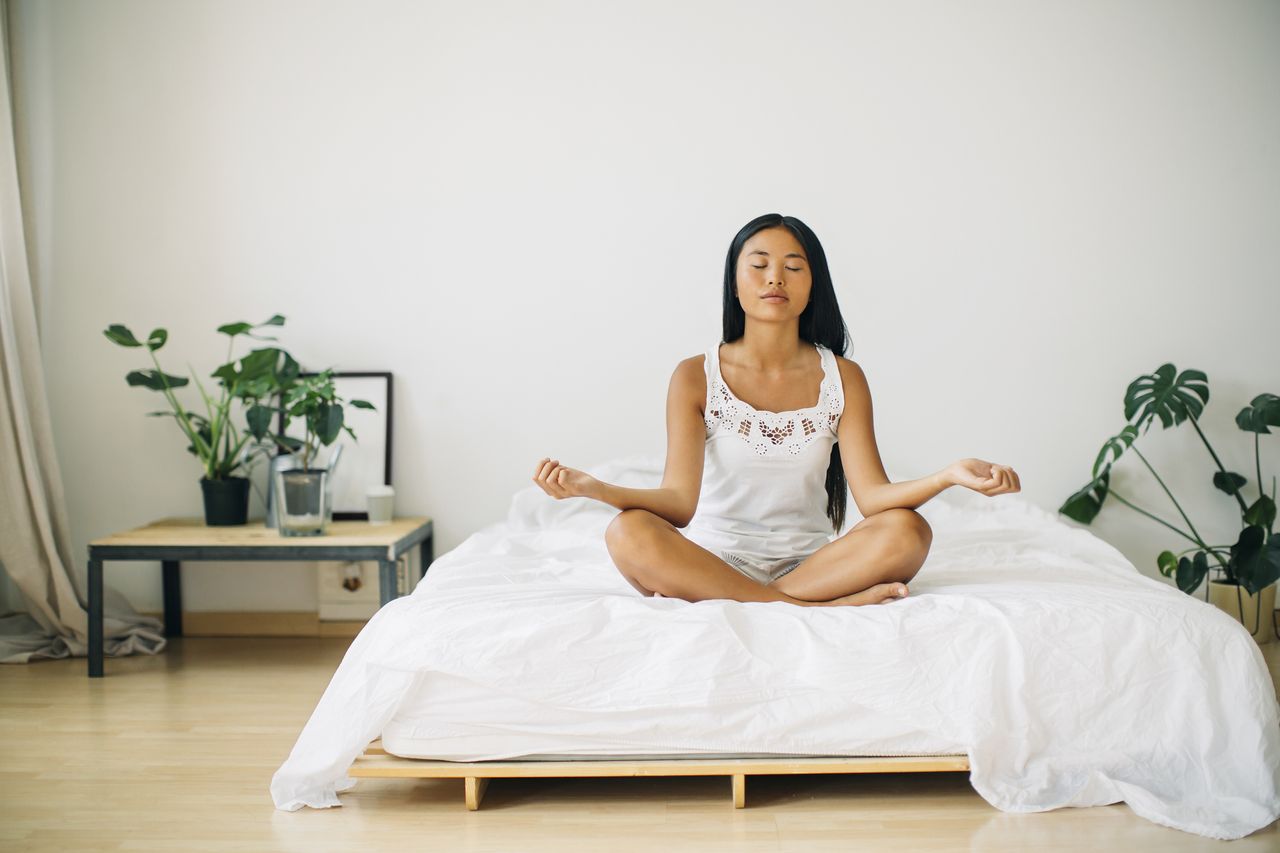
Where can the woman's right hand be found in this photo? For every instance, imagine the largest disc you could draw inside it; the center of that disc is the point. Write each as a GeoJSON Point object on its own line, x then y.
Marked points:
{"type": "Point", "coordinates": [562, 482]}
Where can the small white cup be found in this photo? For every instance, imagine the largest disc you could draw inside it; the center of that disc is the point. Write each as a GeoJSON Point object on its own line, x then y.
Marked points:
{"type": "Point", "coordinates": [380, 503]}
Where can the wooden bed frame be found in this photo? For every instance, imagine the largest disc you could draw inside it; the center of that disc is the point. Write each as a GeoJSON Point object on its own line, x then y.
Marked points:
{"type": "Point", "coordinates": [376, 762]}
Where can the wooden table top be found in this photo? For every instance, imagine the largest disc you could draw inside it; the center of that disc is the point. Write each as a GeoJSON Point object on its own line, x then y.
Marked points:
{"type": "Point", "coordinates": [193, 531]}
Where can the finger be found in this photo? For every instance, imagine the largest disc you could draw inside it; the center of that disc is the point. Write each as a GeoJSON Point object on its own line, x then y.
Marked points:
{"type": "Point", "coordinates": [1017, 481]}
{"type": "Point", "coordinates": [553, 481]}
{"type": "Point", "coordinates": [547, 468]}
{"type": "Point", "coordinates": [538, 468]}
{"type": "Point", "coordinates": [551, 488]}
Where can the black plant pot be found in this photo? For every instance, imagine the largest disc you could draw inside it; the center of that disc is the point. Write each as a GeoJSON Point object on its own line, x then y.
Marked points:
{"type": "Point", "coordinates": [226, 502]}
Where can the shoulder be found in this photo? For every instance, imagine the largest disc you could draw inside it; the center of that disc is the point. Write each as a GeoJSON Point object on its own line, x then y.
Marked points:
{"type": "Point", "coordinates": [689, 377]}
{"type": "Point", "coordinates": [852, 378]}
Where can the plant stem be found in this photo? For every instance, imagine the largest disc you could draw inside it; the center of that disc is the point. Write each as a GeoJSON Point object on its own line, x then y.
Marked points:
{"type": "Point", "coordinates": [1200, 546]}
{"type": "Point", "coordinates": [1257, 462]}
{"type": "Point", "coordinates": [1167, 492]}
{"type": "Point", "coordinates": [210, 464]}
{"type": "Point", "coordinates": [1196, 425]}
{"type": "Point", "coordinates": [196, 441]}
{"type": "Point", "coordinates": [1137, 508]}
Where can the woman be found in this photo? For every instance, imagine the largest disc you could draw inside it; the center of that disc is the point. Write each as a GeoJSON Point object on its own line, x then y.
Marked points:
{"type": "Point", "coordinates": [754, 520]}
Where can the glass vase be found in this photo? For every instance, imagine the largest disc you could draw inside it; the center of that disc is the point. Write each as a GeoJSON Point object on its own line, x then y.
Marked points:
{"type": "Point", "coordinates": [302, 498]}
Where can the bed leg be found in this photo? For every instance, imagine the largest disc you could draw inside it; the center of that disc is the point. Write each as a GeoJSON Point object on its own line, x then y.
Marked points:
{"type": "Point", "coordinates": [739, 790]}
{"type": "Point", "coordinates": [475, 786]}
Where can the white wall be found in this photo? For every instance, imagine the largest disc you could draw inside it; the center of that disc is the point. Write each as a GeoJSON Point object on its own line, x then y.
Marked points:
{"type": "Point", "coordinates": [523, 210]}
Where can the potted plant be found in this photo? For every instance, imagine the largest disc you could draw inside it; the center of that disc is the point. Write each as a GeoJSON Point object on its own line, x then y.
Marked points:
{"type": "Point", "coordinates": [1251, 565]}
{"type": "Point", "coordinates": [227, 454]}
{"type": "Point", "coordinates": [302, 490]}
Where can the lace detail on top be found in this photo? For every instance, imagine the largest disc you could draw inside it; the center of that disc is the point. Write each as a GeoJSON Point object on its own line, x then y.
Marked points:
{"type": "Point", "coordinates": [774, 433]}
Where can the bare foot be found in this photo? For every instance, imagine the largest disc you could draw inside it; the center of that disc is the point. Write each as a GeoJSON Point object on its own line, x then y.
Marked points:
{"type": "Point", "coordinates": [881, 593]}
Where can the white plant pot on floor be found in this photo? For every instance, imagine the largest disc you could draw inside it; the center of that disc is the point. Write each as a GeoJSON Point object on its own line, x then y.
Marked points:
{"type": "Point", "coordinates": [1243, 607]}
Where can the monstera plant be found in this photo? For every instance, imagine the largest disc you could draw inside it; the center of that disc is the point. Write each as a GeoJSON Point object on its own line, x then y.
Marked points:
{"type": "Point", "coordinates": [1252, 562]}
{"type": "Point", "coordinates": [244, 387]}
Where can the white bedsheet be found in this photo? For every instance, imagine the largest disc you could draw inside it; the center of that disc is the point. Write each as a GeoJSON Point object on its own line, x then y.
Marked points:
{"type": "Point", "coordinates": [1068, 677]}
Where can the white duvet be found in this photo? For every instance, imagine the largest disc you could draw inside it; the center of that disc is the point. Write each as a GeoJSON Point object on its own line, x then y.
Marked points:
{"type": "Point", "coordinates": [1068, 677]}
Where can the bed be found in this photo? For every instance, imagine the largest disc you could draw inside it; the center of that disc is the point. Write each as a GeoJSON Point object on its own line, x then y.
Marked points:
{"type": "Point", "coordinates": [1029, 652]}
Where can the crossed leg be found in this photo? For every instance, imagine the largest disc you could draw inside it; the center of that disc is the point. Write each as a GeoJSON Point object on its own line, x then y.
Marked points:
{"type": "Point", "coordinates": [867, 565]}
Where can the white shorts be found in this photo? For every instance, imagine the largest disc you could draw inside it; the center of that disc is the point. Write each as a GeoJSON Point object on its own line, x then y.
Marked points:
{"type": "Point", "coordinates": [760, 568]}
{"type": "Point", "coordinates": [757, 570]}
{"type": "Point", "coordinates": [764, 571]}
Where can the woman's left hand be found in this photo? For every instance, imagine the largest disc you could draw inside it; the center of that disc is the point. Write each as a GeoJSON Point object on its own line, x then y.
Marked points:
{"type": "Point", "coordinates": [984, 477]}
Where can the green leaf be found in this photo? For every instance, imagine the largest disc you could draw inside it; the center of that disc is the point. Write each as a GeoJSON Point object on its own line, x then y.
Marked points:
{"type": "Point", "coordinates": [275, 320]}
{"type": "Point", "coordinates": [1191, 572]}
{"type": "Point", "coordinates": [226, 373]}
{"type": "Point", "coordinates": [1167, 563]}
{"type": "Point", "coordinates": [234, 329]}
{"type": "Point", "coordinates": [1262, 512]}
{"type": "Point", "coordinates": [1085, 504]}
{"type": "Point", "coordinates": [259, 419]}
{"type": "Point", "coordinates": [1262, 411]}
{"type": "Point", "coordinates": [328, 422]}
{"type": "Point", "coordinates": [362, 404]}
{"type": "Point", "coordinates": [1257, 564]}
{"type": "Point", "coordinates": [154, 379]}
{"type": "Point", "coordinates": [1115, 447]}
{"type": "Point", "coordinates": [121, 335]}
{"type": "Point", "coordinates": [254, 389]}
{"type": "Point", "coordinates": [260, 362]}
{"type": "Point", "coordinates": [157, 339]}
{"type": "Point", "coordinates": [1228, 481]}
{"type": "Point", "coordinates": [1162, 395]}
{"type": "Point", "coordinates": [287, 373]}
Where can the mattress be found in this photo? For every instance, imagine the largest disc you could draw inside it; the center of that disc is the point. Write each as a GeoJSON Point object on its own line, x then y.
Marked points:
{"type": "Point", "coordinates": [455, 719]}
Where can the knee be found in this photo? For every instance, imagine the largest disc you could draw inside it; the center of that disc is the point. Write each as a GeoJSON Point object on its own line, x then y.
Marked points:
{"type": "Point", "coordinates": [911, 526]}
{"type": "Point", "coordinates": [628, 530]}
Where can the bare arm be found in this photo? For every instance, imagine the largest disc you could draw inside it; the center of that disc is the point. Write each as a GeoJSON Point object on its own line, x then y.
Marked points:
{"type": "Point", "coordinates": [677, 498]}
{"type": "Point", "coordinates": [868, 482]}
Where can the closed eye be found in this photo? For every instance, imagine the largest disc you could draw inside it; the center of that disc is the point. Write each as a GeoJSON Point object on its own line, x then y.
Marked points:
{"type": "Point", "coordinates": [762, 266]}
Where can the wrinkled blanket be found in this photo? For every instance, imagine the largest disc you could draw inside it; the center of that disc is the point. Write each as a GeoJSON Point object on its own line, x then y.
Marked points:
{"type": "Point", "coordinates": [1071, 678]}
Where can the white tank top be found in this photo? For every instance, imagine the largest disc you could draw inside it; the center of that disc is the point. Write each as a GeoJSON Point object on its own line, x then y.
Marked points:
{"type": "Point", "coordinates": [764, 476]}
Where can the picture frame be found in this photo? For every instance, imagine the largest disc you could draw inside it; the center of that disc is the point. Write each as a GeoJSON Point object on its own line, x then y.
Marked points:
{"type": "Point", "coordinates": [367, 460]}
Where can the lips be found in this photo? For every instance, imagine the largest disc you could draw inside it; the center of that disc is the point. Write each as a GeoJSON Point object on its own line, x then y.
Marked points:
{"type": "Point", "coordinates": [773, 296]}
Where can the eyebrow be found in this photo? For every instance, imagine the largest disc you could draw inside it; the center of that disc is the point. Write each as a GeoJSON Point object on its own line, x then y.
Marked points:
{"type": "Point", "coordinates": [789, 255]}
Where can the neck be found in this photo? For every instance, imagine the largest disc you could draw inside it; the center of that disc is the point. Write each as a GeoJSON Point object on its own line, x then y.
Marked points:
{"type": "Point", "coordinates": [771, 346]}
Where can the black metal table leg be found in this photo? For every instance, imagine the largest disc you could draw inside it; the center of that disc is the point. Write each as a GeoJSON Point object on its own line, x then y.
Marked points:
{"type": "Point", "coordinates": [95, 619]}
{"type": "Point", "coordinates": [387, 580]}
{"type": "Point", "coordinates": [172, 580]}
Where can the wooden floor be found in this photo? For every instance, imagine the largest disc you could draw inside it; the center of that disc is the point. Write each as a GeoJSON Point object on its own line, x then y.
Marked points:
{"type": "Point", "coordinates": [176, 751]}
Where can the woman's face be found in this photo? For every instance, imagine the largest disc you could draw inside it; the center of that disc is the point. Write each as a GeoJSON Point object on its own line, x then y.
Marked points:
{"type": "Point", "coordinates": [772, 264]}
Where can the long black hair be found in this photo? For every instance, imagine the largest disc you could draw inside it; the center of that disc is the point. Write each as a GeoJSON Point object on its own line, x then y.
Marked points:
{"type": "Point", "coordinates": [820, 323]}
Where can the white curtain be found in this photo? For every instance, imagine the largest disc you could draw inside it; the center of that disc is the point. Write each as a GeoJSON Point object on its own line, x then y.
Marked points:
{"type": "Point", "coordinates": [35, 540]}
